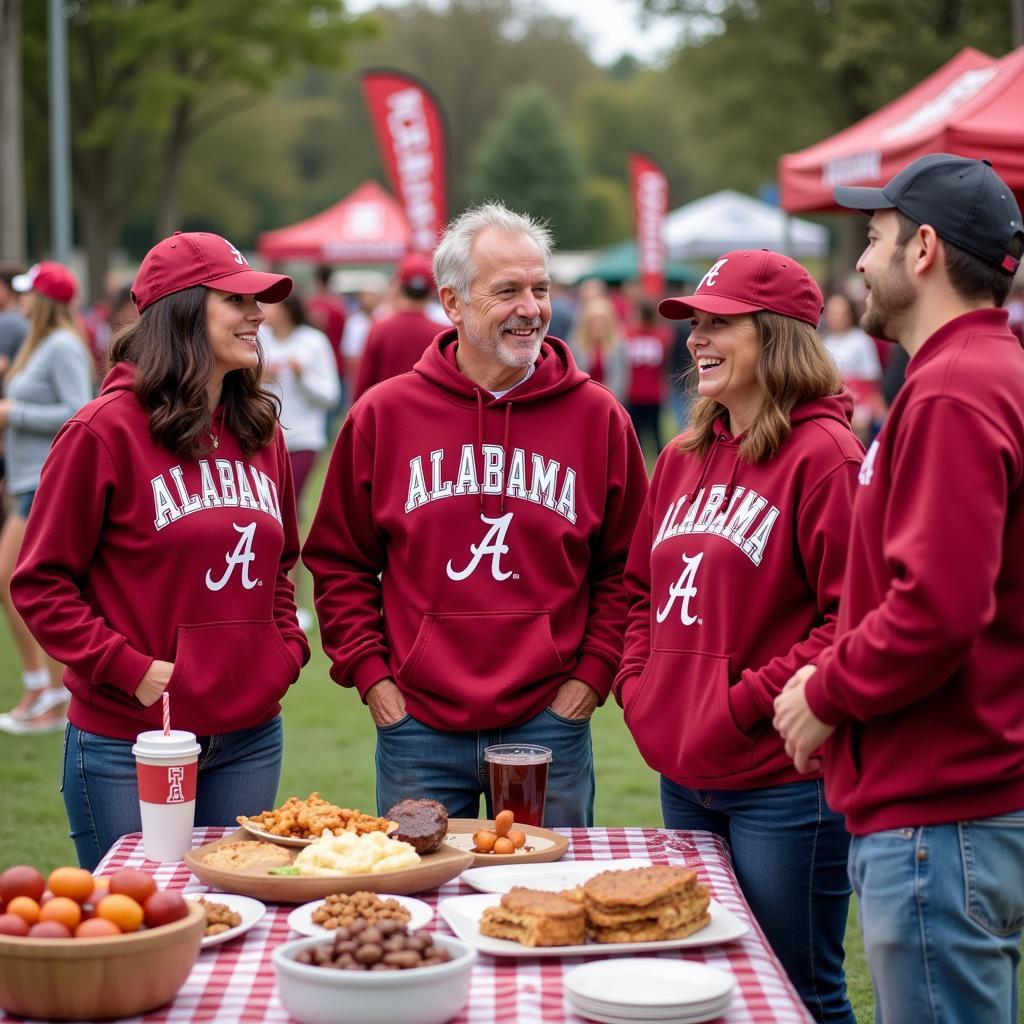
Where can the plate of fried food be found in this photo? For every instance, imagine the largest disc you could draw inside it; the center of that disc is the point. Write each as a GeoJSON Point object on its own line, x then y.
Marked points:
{"type": "Point", "coordinates": [227, 916]}
{"type": "Point", "coordinates": [340, 909]}
{"type": "Point", "coordinates": [504, 841]}
{"type": "Point", "coordinates": [652, 908]}
{"type": "Point", "coordinates": [298, 822]}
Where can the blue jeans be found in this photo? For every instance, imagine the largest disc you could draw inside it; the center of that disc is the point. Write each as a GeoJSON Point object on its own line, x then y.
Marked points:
{"type": "Point", "coordinates": [414, 760]}
{"type": "Point", "coordinates": [238, 774]}
{"type": "Point", "coordinates": [941, 909]}
{"type": "Point", "coordinates": [789, 852]}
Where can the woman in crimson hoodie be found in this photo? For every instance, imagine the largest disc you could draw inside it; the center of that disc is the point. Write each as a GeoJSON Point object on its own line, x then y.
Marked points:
{"type": "Point", "coordinates": [157, 557]}
{"type": "Point", "coordinates": [733, 577]}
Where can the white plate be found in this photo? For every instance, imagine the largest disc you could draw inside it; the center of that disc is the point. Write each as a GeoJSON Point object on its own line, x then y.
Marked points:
{"type": "Point", "coordinates": [255, 830]}
{"type": "Point", "coordinates": [301, 918]}
{"type": "Point", "coordinates": [463, 916]}
{"type": "Point", "coordinates": [551, 877]}
{"type": "Point", "coordinates": [635, 985]}
{"type": "Point", "coordinates": [686, 1017]}
{"type": "Point", "coordinates": [251, 911]}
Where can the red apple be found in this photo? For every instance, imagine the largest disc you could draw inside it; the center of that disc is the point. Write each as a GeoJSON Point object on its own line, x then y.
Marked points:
{"type": "Point", "coordinates": [163, 908]}
{"type": "Point", "coordinates": [21, 880]}
{"type": "Point", "coordinates": [12, 924]}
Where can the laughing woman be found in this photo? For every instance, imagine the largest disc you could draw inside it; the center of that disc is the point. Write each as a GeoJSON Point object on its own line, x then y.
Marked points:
{"type": "Point", "coordinates": [733, 578]}
{"type": "Point", "coordinates": [161, 562]}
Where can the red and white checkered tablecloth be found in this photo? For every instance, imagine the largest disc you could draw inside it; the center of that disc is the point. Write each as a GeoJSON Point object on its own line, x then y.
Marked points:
{"type": "Point", "coordinates": [235, 981]}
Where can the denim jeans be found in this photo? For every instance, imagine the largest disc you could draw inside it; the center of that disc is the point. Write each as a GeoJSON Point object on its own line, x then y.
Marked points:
{"type": "Point", "coordinates": [238, 774]}
{"type": "Point", "coordinates": [414, 760]}
{"type": "Point", "coordinates": [941, 909]}
{"type": "Point", "coordinates": [789, 851]}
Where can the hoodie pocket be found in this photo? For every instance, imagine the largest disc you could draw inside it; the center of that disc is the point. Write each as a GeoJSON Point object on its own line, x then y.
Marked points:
{"type": "Point", "coordinates": [680, 719]}
{"type": "Point", "coordinates": [476, 658]}
{"type": "Point", "coordinates": [233, 673]}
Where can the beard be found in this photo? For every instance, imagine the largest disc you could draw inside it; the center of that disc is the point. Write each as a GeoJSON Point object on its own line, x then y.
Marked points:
{"type": "Point", "coordinates": [512, 353]}
{"type": "Point", "coordinates": [890, 297]}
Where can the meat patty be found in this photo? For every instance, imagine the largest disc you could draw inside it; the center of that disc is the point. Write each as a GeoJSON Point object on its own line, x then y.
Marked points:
{"type": "Point", "coordinates": [422, 824]}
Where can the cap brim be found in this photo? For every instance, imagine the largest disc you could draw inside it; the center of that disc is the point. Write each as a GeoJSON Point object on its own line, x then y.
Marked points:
{"type": "Point", "coordinates": [22, 282]}
{"type": "Point", "coordinates": [857, 197]}
{"type": "Point", "coordinates": [266, 287]}
{"type": "Point", "coordinates": [683, 308]}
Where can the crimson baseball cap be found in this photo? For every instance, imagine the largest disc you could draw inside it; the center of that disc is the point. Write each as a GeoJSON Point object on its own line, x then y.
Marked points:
{"type": "Point", "coordinates": [966, 202]}
{"type": "Point", "coordinates": [189, 258]}
{"type": "Point", "coordinates": [416, 273]}
{"type": "Point", "coordinates": [749, 280]}
{"type": "Point", "coordinates": [53, 280]}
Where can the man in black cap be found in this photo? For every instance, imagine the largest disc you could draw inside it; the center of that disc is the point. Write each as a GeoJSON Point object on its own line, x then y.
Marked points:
{"type": "Point", "coordinates": [921, 698]}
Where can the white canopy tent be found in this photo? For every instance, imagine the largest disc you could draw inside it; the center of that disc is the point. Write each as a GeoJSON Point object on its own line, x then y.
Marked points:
{"type": "Point", "coordinates": [727, 220]}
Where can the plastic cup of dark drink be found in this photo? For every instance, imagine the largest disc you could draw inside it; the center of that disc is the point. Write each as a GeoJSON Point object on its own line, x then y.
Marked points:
{"type": "Point", "coordinates": [519, 780]}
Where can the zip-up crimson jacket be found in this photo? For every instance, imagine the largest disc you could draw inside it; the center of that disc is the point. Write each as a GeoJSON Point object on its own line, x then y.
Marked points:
{"type": "Point", "coordinates": [472, 548]}
{"type": "Point", "coordinates": [926, 680]}
{"type": "Point", "coordinates": [733, 579]}
{"type": "Point", "coordinates": [133, 553]}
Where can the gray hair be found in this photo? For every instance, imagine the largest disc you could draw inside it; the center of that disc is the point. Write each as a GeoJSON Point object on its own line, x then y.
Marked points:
{"type": "Point", "coordinates": [453, 261]}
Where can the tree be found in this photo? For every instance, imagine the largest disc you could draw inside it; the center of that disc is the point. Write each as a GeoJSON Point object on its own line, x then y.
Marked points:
{"type": "Point", "coordinates": [526, 161]}
{"type": "Point", "coordinates": [12, 184]}
{"type": "Point", "coordinates": [148, 78]}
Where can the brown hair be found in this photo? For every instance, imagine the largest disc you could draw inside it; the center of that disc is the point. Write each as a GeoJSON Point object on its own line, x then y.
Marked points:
{"type": "Point", "coordinates": [45, 316]}
{"type": "Point", "coordinates": [792, 367]}
{"type": "Point", "coordinates": [170, 350]}
{"type": "Point", "coordinates": [972, 278]}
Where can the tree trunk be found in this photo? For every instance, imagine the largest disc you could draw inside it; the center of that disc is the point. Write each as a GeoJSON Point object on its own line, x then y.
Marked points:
{"type": "Point", "coordinates": [12, 182]}
{"type": "Point", "coordinates": [169, 215]}
{"type": "Point", "coordinates": [101, 213]}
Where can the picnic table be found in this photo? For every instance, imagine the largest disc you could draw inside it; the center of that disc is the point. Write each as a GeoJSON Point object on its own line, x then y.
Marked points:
{"type": "Point", "coordinates": [235, 981]}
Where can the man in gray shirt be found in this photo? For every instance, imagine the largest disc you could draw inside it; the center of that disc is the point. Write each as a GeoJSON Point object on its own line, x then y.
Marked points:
{"type": "Point", "coordinates": [13, 325]}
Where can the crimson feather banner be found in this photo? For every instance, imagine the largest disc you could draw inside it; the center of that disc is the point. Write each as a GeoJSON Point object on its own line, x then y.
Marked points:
{"type": "Point", "coordinates": [649, 185]}
{"type": "Point", "coordinates": [412, 135]}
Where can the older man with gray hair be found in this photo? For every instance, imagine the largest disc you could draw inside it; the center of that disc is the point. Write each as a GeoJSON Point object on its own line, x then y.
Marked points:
{"type": "Point", "coordinates": [468, 550]}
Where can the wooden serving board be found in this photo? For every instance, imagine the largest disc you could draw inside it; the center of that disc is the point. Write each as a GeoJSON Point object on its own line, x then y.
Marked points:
{"type": "Point", "coordinates": [433, 870]}
{"type": "Point", "coordinates": [547, 845]}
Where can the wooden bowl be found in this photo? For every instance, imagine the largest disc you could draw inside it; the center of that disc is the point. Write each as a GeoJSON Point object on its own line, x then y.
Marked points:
{"type": "Point", "coordinates": [433, 870]}
{"type": "Point", "coordinates": [102, 978]}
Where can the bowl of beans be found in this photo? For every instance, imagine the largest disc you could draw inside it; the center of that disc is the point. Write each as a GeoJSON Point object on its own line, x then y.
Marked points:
{"type": "Point", "coordinates": [374, 972]}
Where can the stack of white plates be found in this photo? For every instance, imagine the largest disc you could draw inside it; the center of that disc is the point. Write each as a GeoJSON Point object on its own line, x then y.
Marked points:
{"type": "Point", "coordinates": [667, 991]}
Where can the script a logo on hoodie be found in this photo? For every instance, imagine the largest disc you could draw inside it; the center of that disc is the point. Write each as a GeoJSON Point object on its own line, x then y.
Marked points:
{"type": "Point", "coordinates": [493, 544]}
{"type": "Point", "coordinates": [867, 467]}
{"type": "Point", "coordinates": [242, 555]}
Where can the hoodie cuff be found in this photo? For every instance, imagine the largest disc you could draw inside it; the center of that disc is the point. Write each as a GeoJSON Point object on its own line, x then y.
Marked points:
{"type": "Point", "coordinates": [298, 649]}
{"type": "Point", "coordinates": [369, 672]}
{"type": "Point", "coordinates": [125, 668]}
{"type": "Point", "coordinates": [818, 700]}
{"type": "Point", "coordinates": [746, 712]}
{"type": "Point", "coordinates": [596, 673]}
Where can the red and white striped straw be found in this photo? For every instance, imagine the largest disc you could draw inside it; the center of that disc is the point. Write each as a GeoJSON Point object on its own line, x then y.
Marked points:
{"type": "Point", "coordinates": [167, 713]}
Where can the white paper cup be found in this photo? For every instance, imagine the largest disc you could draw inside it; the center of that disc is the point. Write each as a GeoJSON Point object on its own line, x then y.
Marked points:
{"type": "Point", "coordinates": [167, 767]}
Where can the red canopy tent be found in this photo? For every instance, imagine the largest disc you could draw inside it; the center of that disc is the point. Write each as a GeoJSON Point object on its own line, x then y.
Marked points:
{"type": "Point", "coordinates": [972, 106]}
{"type": "Point", "coordinates": [367, 226]}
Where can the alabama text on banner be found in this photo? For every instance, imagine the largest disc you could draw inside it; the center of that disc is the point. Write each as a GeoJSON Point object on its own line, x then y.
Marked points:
{"type": "Point", "coordinates": [650, 205]}
{"type": "Point", "coordinates": [410, 130]}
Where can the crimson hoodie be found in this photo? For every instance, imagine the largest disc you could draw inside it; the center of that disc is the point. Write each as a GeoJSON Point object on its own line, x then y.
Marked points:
{"type": "Point", "coordinates": [926, 681]}
{"type": "Point", "coordinates": [133, 553]}
{"type": "Point", "coordinates": [733, 581]}
{"type": "Point", "coordinates": [491, 533]}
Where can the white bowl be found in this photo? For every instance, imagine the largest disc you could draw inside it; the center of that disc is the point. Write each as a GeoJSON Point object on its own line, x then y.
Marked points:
{"type": "Point", "coordinates": [420, 995]}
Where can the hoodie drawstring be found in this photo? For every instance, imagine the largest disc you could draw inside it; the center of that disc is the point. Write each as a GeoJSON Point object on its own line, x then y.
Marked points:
{"type": "Point", "coordinates": [504, 453]}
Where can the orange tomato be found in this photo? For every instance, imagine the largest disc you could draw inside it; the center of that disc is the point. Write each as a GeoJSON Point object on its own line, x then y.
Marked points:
{"type": "Point", "coordinates": [122, 910]}
{"type": "Point", "coordinates": [133, 882]}
{"type": "Point", "coordinates": [25, 907]}
{"type": "Point", "coordinates": [101, 888]}
{"type": "Point", "coordinates": [96, 927]}
{"type": "Point", "coordinates": [62, 909]}
{"type": "Point", "coordinates": [75, 883]}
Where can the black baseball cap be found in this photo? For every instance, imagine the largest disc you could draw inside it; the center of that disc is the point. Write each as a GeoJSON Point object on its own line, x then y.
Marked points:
{"type": "Point", "coordinates": [964, 200]}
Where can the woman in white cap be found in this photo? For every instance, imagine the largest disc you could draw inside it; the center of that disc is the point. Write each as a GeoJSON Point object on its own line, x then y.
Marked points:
{"type": "Point", "coordinates": [733, 579]}
{"type": "Point", "coordinates": [162, 564]}
{"type": "Point", "coordinates": [49, 379]}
